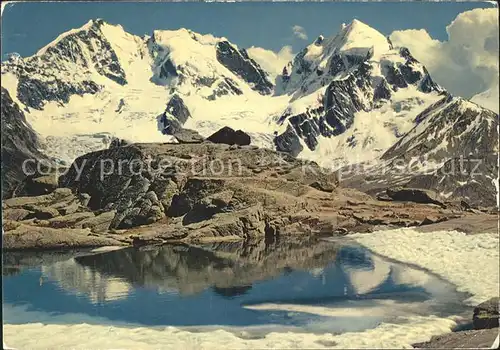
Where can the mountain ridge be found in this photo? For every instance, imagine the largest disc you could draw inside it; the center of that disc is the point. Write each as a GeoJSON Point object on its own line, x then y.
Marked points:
{"type": "Point", "coordinates": [344, 99]}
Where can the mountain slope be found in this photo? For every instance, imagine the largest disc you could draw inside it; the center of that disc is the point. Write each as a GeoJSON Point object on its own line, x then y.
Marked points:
{"type": "Point", "coordinates": [488, 98]}
{"type": "Point", "coordinates": [100, 79]}
{"type": "Point", "coordinates": [453, 149]}
{"type": "Point", "coordinates": [20, 146]}
{"type": "Point", "coordinates": [345, 99]}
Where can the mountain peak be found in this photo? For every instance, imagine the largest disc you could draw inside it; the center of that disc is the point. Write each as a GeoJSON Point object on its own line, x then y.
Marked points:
{"type": "Point", "coordinates": [93, 23]}
{"type": "Point", "coordinates": [357, 23]}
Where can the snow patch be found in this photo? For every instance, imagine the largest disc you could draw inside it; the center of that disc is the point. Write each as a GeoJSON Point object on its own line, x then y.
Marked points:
{"type": "Point", "coordinates": [468, 261]}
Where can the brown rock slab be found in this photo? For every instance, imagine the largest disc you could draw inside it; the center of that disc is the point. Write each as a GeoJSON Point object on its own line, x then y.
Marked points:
{"type": "Point", "coordinates": [34, 237]}
{"type": "Point", "coordinates": [70, 220]}
{"type": "Point", "coordinates": [474, 339]}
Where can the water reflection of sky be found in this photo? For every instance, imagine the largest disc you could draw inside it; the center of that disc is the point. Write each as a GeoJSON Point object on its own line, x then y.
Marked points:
{"type": "Point", "coordinates": [353, 291]}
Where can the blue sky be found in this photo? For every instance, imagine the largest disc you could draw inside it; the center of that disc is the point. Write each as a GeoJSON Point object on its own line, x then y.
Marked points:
{"type": "Point", "coordinates": [26, 27]}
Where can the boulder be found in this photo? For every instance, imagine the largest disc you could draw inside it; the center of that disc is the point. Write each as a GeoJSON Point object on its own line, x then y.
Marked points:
{"type": "Point", "coordinates": [67, 208]}
{"type": "Point", "coordinates": [288, 142]}
{"type": "Point", "coordinates": [84, 199]}
{"type": "Point", "coordinates": [99, 223]}
{"type": "Point", "coordinates": [9, 225]}
{"type": "Point", "coordinates": [17, 202]}
{"type": "Point", "coordinates": [413, 195]}
{"type": "Point", "coordinates": [245, 223]}
{"type": "Point", "coordinates": [486, 314]}
{"type": "Point", "coordinates": [229, 136]}
{"type": "Point", "coordinates": [208, 207]}
{"type": "Point", "coordinates": [430, 220]}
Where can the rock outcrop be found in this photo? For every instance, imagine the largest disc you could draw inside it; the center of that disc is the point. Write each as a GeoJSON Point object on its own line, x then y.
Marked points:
{"type": "Point", "coordinates": [145, 194]}
{"type": "Point", "coordinates": [484, 335]}
{"type": "Point", "coordinates": [188, 136]}
{"type": "Point", "coordinates": [229, 136]}
{"type": "Point", "coordinates": [453, 151]}
{"type": "Point", "coordinates": [486, 314]}
{"type": "Point", "coordinates": [175, 115]}
{"type": "Point", "coordinates": [177, 180]}
{"type": "Point", "coordinates": [414, 195]}
{"type": "Point", "coordinates": [34, 222]}
{"type": "Point", "coordinates": [20, 146]}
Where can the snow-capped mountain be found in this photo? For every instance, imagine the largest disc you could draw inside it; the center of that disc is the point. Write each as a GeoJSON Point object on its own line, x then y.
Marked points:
{"type": "Point", "coordinates": [353, 96]}
{"type": "Point", "coordinates": [343, 99]}
{"type": "Point", "coordinates": [19, 142]}
{"type": "Point", "coordinates": [452, 149]}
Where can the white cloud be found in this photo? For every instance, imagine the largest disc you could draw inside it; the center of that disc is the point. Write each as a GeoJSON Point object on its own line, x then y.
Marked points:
{"type": "Point", "coordinates": [467, 63]}
{"type": "Point", "coordinates": [299, 32]}
{"type": "Point", "coordinates": [271, 61]}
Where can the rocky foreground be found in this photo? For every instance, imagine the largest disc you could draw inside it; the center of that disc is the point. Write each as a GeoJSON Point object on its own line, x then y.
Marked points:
{"type": "Point", "coordinates": [485, 323]}
{"type": "Point", "coordinates": [141, 194]}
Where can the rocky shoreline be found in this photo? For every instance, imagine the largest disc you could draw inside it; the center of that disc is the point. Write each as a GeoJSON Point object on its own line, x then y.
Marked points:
{"type": "Point", "coordinates": [485, 324]}
{"type": "Point", "coordinates": [142, 194]}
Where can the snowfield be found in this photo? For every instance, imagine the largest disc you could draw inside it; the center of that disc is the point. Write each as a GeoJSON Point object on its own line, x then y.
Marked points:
{"type": "Point", "coordinates": [131, 111]}
{"type": "Point", "coordinates": [106, 336]}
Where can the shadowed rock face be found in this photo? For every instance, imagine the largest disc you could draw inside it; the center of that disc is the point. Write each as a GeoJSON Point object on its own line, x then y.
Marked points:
{"type": "Point", "coordinates": [19, 143]}
{"type": "Point", "coordinates": [178, 109]}
{"type": "Point", "coordinates": [230, 268]}
{"type": "Point", "coordinates": [175, 115]}
{"type": "Point", "coordinates": [35, 93]}
{"type": "Point", "coordinates": [288, 142]}
{"type": "Point", "coordinates": [144, 182]}
{"type": "Point", "coordinates": [413, 195]}
{"type": "Point", "coordinates": [238, 62]}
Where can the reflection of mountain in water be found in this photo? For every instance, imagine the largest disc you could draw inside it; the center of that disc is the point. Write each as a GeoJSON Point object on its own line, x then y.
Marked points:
{"type": "Point", "coordinates": [83, 280]}
{"type": "Point", "coordinates": [230, 267]}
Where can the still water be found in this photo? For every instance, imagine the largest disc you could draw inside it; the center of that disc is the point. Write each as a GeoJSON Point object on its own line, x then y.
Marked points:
{"type": "Point", "coordinates": [315, 286]}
